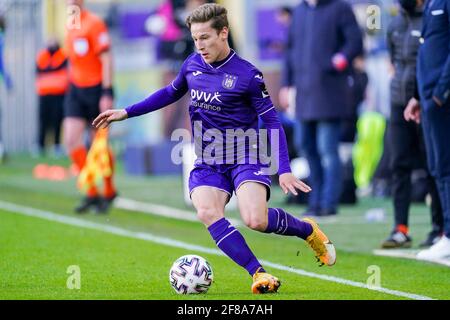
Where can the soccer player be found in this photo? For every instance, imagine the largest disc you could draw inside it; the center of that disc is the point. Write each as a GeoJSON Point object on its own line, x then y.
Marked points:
{"type": "Point", "coordinates": [90, 74]}
{"type": "Point", "coordinates": [229, 93]}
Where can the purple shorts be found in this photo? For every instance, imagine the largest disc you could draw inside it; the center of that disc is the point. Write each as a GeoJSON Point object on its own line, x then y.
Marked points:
{"type": "Point", "coordinates": [227, 178]}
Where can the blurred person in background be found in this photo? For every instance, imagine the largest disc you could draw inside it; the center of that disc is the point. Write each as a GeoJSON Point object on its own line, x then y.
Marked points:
{"type": "Point", "coordinates": [433, 110]}
{"type": "Point", "coordinates": [284, 16]}
{"type": "Point", "coordinates": [287, 115]}
{"type": "Point", "coordinates": [4, 75]}
{"type": "Point", "coordinates": [357, 82]}
{"type": "Point", "coordinates": [405, 139]}
{"type": "Point", "coordinates": [3, 72]}
{"type": "Point", "coordinates": [324, 38]}
{"type": "Point", "coordinates": [90, 92]}
{"type": "Point", "coordinates": [52, 82]}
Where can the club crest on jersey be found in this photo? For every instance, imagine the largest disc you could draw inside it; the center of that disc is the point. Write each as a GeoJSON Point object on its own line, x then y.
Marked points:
{"type": "Point", "coordinates": [229, 81]}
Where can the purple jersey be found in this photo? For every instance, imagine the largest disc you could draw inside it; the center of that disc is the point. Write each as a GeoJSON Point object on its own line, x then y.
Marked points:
{"type": "Point", "coordinates": [225, 96]}
{"type": "Point", "coordinates": [228, 96]}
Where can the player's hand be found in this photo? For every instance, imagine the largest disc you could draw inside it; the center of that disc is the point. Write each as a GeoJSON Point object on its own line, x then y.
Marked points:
{"type": "Point", "coordinates": [283, 97]}
{"type": "Point", "coordinates": [412, 111]}
{"type": "Point", "coordinates": [106, 103]}
{"type": "Point", "coordinates": [105, 118]}
{"type": "Point", "coordinates": [289, 183]}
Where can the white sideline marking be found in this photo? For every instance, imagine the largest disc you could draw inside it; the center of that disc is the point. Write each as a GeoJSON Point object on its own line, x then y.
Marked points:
{"type": "Point", "coordinates": [47, 215]}
{"type": "Point", "coordinates": [180, 214]}
{"type": "Point", "coordinates": [407, 254]}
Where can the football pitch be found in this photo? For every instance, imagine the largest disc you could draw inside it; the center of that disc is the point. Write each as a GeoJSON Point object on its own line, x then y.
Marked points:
{"type": "Point", "coordinates": [127, 253]}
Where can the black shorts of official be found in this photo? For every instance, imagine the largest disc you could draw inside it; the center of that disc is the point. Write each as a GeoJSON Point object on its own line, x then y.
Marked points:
{"type": "Point", "coordinates": [83, 102]}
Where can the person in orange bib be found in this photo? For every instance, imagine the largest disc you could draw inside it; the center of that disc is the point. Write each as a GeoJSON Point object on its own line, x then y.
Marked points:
{"type": "Point", "coordinates": [52, 83]}
{"type": "Point", "coordinates": [90, 92]}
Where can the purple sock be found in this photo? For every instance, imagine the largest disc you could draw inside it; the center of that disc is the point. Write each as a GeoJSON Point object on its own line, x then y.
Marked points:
{"type": "Point", "coordinates": [233, 244]}
{"type": "Point", "coordinates": [281, 222]}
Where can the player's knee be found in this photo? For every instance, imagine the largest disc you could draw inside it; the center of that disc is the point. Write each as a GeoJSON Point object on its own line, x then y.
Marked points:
{"type": "Point", "coordinates": [254, 217]}
{"type": "Point", "coordinates": [208, 214]}
{"type": "Point", "coordinates": [256, 221]}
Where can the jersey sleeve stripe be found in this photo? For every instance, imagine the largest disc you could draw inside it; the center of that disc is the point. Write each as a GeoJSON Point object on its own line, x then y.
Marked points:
{"type": "Point", "coordinates": [266, 111]}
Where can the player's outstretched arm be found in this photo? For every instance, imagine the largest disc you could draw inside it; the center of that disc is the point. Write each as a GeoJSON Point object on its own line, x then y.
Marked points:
{"type": "Point", "coordinates": [155, 101]}
{"type": "Point", "coordinates": [105, 118]}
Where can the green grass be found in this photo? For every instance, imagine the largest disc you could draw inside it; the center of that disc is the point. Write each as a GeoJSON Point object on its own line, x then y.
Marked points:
{"type": "Point", "coordinates": [35, 253]}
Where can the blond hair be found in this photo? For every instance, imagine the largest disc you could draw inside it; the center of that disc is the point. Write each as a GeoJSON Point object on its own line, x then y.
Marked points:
{"type": "Point", "coordinates": [209, 12]}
